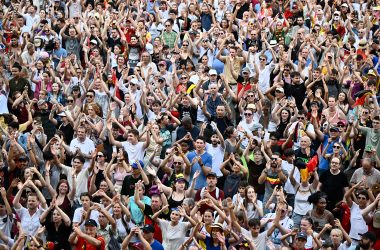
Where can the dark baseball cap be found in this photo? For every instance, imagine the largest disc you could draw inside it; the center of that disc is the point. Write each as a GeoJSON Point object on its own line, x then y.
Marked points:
{"type": "Point", "coordinates": [369, 235]}
{"type": "Point", "coordinates": [211, 174]}
{"type": "Point", "coordinates": [148, 228]}
{"type": "Point", "coordinates": [91, 222]}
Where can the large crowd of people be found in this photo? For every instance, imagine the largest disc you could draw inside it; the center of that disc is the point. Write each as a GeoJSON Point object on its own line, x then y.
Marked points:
{"type": "Point", "coordinates": [184, 124]}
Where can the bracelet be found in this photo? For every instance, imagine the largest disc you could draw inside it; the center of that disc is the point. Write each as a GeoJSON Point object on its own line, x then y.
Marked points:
{"type": "Point", "coordinates": [29, 149]}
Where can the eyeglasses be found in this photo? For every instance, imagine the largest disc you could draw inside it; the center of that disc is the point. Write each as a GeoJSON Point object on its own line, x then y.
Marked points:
{"type": "Point", "coordinates": [247, 114]}
{"type": "Point", "coordinates": [90, 96]}
{"type": "Point", "coordinates": [301, 118]}
{"type": "Point", "coordinates": [336, 146]}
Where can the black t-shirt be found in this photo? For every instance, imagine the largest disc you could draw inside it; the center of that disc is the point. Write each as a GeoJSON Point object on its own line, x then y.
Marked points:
{"type": "Point", "coordinates": [188, 111]}
{"type": "Point", "coordinates": [58, 237]}
{"type": "Point", "coordinates": [333, 186]}
{"type": "Point", "coordinates": [222, 123]}
{"type": "Point", "coordinates": [254, 174]}
{"type": "Point", "coordinates": [112, 42]}
{"type": "Point", "coordinates": [128, 187]}
{"type": "Point", "coordinates": [67, 130]}
{"type": "Point", "coordinates": [297, 91]}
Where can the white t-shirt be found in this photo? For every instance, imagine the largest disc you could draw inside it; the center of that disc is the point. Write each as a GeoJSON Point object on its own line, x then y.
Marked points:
{"type": "Point", "coordinates": [301, 133]}
{"type": "Point", "coordinates": [286, 223]}
{"type": "Point", "coordinates": [289, 188]}
{"type": "Point", "coordinates": [301, 205]}
{"type": "Point", "coordinates": [78, 214]}
{"type": "Point", "coordinates": [259, 241]}
{"type": "Point", "coordinates": [173, 237]}
{"type": "Point", "coordinates": [86, 147]}
{"type": "Point", "coordinates": [217, 154]}
{"type": "Point", "coordinates": [81, 180]}
{"type": "Point", "coordinates": [264, 77]}
{"type": "Point", "coordinates": [358, 224]}
{"type": "Point", "coordinates": [135, 152]}
{"type": "Point", "coordinates": [252, 212]}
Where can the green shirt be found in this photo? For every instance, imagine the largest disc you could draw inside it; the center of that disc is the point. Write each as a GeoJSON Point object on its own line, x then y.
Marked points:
{"type": "Point", "coordinates": [372, 138]}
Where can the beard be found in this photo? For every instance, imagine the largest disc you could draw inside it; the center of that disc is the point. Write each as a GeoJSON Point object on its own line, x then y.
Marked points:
{"type": "Point", "coordinates": [364, 245]}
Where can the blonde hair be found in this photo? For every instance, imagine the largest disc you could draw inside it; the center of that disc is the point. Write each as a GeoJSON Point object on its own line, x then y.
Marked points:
{"type": "Point", "coordinates": [338, 232]}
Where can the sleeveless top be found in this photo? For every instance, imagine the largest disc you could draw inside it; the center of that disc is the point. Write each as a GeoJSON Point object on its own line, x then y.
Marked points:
{"type": "Point", "coordinates": [66, 207]}
{"type": "Point", "coordinates": [173, 203]}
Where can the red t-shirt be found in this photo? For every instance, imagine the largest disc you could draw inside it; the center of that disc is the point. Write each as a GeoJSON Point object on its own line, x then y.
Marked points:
{"type": "Point", "coordinates": [198, 197]}
{"type": "Point", "coordinates": [83, 244]}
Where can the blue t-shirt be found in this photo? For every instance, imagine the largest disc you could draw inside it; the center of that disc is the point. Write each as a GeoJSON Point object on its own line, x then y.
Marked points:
{"type": "Point", "coordinates": [210, 246]}
{"type": "Point", "coordinates": [156, 245]}
{"type": "Point", "coordinates": [207, 161]}
{"type": "Point", "coordinates": [323, 163]}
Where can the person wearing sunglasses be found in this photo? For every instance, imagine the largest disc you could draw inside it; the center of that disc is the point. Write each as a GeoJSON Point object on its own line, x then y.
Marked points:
{"type": "Point", "coordinates": [300, 128]}
{"type": "Point", "coordinates": [338, 150]}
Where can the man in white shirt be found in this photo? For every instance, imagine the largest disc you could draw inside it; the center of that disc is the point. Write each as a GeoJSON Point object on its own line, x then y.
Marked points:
{"type": "Point", "coordinates": [81, 146]}
{"type": "Point", "coordinates": [215, 148]}
{"type": "Point", "coordinates": [78, 174]}
{"type": "Point", "coordinates": [134, 147]}
{"type": "Point", "coordinates": [287, 165]}
{"type": "Point", "coordinates": [36, 205]}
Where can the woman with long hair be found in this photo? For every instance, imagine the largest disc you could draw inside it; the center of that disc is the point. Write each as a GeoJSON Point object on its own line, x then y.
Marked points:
{"type": "Point", "coordinates": [62, 195]}
{"type": "Point", "coordinates": [319, 214]}
{"type": "Point", "coordinates": [178, 192]}
{"type": "Point", "coordinates": [58, 226]}
{"type": "Point", "coordinates": [117, 171]}
{"type": "Point", "coordinates": [174, 231]}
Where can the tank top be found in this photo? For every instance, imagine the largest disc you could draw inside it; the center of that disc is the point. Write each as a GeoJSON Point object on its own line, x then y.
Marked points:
{"type": "Point", "coordinates": [173, 203]}
{"type": "Point", "coordinates": [66, 207]}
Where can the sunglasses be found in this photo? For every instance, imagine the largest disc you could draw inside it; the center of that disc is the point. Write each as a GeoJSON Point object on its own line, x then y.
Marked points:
{"type": "Point", "coordinates": [262, 59]}
{"type": "Point", "coordinates": [336, 146]}
{"type": "Point", "coordinates": [250, 95]}
{"type": "Point", "coordinates": [100, 156]}
{"type": "Point", "coordinates": [183, 78]}
{"type": "Point", "coordinates": [70, 101]}
{"type": "Point", "coordinates": [301, 118]}
{"type": "Point", "coordinates": [177, 163]}
{"type": "Point", "coordinates": [90, 96]}
{"type": "Point", "coordinates": [247, 114]}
